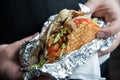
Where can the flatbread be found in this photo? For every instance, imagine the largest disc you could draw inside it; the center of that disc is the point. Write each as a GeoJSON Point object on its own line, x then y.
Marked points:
{"type": "Point", "coordinates": [84, 33]}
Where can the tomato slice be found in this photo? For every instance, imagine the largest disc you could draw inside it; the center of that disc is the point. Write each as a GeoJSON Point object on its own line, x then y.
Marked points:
{"type": "Point", "coordinates": [76, 21]}
{"type": "Point", "coordinates": [55, 47]}
{"type": "Point", "coordinates": [80, 20]}
{"type": "Point", "coordinates": [52, 57]}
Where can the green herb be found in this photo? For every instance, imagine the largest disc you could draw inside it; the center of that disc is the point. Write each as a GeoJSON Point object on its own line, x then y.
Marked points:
{"type": "Point", "coordinates": [43, 62]}
{"type": "Point", "coordinates": [61, 32]}
{"type": "Point", "coordinates": [56, 38]}
{"type": "Point", "coordinates": [64, 31]}
{"type": "Point", "coordinates": [63, 45]}
{"type": "Point", "coordinates": [61, 53]}
{"type": "Point", "coordinates": [35, 65]}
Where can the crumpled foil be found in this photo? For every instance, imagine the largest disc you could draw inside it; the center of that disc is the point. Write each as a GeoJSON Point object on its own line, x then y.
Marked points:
{"type": "Point", "coordinates": [63, 68]}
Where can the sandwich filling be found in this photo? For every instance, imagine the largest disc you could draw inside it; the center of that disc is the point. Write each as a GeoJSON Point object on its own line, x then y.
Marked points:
{"type": "Point", "coordinates": [70, 31]}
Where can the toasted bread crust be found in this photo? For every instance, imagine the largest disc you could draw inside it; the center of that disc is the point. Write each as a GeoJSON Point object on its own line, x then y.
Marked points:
{"type": "Point", "coordinates": [83, 34]}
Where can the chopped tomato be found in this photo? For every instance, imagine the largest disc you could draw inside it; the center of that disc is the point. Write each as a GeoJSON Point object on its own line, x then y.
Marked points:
{"type": "Point", "coordinates": [54, 47]}
{"type": "Point", "coordinates": [55, 53]}
{"type": "Point", "coordinates": [54, 50]}
{"type": "Point", "coordinates": [80, 20]}
{"type": "Point", "coordinates": [58, 52]}
{"type": "Point", "coordinates": [52, 56]}
{"type": "Point", "coordinates": [76, 21]}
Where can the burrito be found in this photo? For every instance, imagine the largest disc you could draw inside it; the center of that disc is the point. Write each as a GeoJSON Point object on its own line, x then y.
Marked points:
{"type": "Point", "coordinates": [66, 41]}
{"type": "Point", "coordinates": [69, 31]}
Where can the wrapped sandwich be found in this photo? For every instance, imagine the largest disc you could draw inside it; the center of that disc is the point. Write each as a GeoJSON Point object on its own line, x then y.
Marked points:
{"type": "Point", "coordinates": [66, 41]}
{"type": "Point", "coordinates": [68, 32]}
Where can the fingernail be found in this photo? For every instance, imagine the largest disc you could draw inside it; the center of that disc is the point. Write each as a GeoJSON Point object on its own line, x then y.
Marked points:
{"type": "Point", "coordinates": [101, 34]}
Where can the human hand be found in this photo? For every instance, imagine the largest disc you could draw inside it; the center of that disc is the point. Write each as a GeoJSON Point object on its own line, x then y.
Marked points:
{"type": "Point", "coordinates": [110, 11]}
{"type": "Point", "coordinates": [9, 63]}
{"type": "Point", "coordinates": [113, 46]}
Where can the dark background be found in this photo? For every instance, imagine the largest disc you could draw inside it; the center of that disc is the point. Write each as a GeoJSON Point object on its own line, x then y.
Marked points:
{"type": "Point", "coordinates": [22, 18]}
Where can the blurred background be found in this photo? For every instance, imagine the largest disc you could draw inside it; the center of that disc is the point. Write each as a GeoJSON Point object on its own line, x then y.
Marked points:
{"type": "Point", "coordinates": [22, 18]}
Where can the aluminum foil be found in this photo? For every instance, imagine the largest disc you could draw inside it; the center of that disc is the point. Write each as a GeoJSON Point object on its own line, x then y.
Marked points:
{"type": "Point", "coordinates": [63, 68]}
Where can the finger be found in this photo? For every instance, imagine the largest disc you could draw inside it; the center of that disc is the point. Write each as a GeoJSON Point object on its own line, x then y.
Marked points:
{"type": "Point", "coordinates": [17, 44]}
{"type": "Point", "coordinates": [101, 53]}
{"type": "Point", "coordinates": [11, 70]}
{"type": "Point", "coordinates": [20, 42]}
{"type": "Point", "coordinates": [104, 33]}
{"type": "Point", "coordinates": [2, 51]}
{"type": "Point", "coordinates": [93, 5]}
{"type": "Point", "coordinates": [14, 47]}
{"type": "Point", "coordinates": [112, 29]}
{"type": "Point", "coordinates": [100, 13]}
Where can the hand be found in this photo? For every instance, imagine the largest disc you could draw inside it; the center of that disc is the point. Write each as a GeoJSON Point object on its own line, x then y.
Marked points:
{"type": "Point", "coordinates": [110, 11]}
{"type": "Point", "coordinates": [9, 63]}
{"type": "Point", "coordinates": [113, 46]}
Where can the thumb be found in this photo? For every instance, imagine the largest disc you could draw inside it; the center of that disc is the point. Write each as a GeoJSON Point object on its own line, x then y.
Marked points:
{"type": "Point", "coordinates": [14, 47]}
{"type": "Point", "coordinates": [92, 4]}
{"type": "Point", "coordinates": [17, 44]}
{"type": "Point", "coordinates": [112, 29]}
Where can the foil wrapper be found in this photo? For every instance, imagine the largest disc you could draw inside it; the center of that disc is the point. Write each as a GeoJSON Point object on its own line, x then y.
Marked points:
{"type": "Point", "coordinates": [63, 68]}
